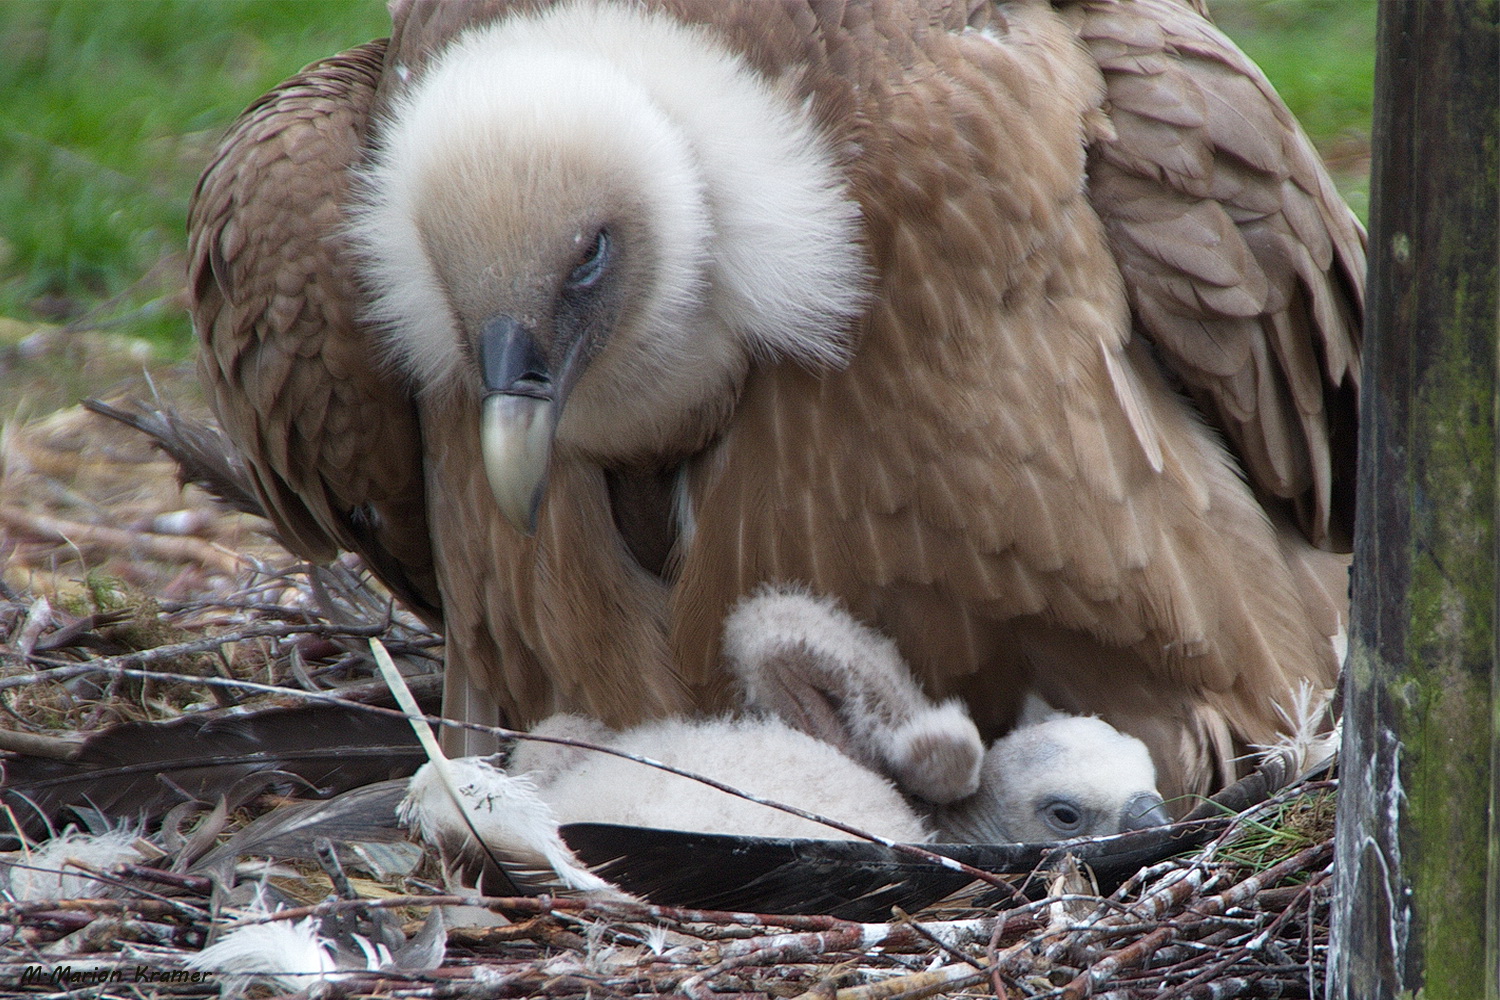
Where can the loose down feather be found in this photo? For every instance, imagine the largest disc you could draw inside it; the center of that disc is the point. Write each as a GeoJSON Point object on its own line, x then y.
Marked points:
{"type": "Point", "coordinates": [497, 835]}
{"type": "Point", "coordinates": [62, 867]}
{"type": "Point", "coordinates": [297, 955]}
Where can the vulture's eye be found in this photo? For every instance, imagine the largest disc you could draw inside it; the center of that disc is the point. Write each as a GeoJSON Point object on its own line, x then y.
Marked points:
{"type": "Point", "coordinates": [1064, 817]}
{"type": "Point", "coordinates": [591, 267]}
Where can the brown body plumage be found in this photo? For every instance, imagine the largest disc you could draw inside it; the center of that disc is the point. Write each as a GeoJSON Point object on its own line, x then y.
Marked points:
{"type": "Point", "coordinates": [1087, 429]}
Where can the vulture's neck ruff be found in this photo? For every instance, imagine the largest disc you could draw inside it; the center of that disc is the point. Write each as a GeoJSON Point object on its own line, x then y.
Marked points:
{"type": "Point", "coordinates": [600, 219]}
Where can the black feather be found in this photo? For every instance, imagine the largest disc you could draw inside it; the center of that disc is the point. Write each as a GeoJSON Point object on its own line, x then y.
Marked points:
{"type": "Point", "coordinates": [854, 880]}
{"type": "Point", "coordinates": [849, 879]}
{"type": "Point", "coordinates": [139, 770]}
{"type": "Point", "coordinates": [204, 456]}
{"type": "Point", "coordinates": [363, 815]}
{"type": "Point", "coordinates": [857, 880]}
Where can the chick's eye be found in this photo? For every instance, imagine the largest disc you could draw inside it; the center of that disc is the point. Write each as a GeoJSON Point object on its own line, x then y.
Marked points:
{"type": "Point", "coordinates": [591, 266]}
{"type": "Point", "coordinates": [1063, 817]}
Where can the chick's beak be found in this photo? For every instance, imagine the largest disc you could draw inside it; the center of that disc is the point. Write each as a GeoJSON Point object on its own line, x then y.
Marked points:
{"type": "Point", "coordinates": [1144, 811]}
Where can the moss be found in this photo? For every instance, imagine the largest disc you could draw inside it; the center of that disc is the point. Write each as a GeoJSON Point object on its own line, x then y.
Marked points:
{"type": "Point", "coordinates": [1448, 738]}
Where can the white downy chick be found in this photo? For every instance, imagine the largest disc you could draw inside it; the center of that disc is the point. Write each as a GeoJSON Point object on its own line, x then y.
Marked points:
{"type": "Point", "coordinates": [841, 711]}
{"type": "Point", "coordinates": [1056, 778]}
{"type": "Point", "coordinates": [762, 756]}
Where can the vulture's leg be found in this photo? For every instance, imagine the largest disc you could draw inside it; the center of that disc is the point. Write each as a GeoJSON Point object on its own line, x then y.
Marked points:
{"type": "Point", "coordinates": [808, 661]}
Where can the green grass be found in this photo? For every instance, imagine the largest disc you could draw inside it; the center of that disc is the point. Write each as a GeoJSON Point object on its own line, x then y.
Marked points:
{"type": "Point", "coordinates": [1282, 831]}
{"type": "Point", "coordinates": [1320, 54]}
{"type": "Point", "coordinates": [109, 109]}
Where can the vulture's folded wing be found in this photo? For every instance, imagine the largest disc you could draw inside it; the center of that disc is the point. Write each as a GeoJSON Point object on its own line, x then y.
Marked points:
{"type": "Point", "coordinates": [1008, 479]}
{"type": "Point", "coordinates": [1243, 265]}
{"type": "Point", "coordinates": [297, 380]}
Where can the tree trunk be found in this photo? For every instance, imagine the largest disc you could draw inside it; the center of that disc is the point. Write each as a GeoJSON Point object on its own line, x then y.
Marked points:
{"type": "Point", "coordinates": [1417, 886]}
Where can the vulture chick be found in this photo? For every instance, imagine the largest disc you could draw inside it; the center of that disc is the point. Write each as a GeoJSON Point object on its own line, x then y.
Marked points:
{"type": "Point", "coordinates": [807, 661]}
{"type": "Point", "coordinates": [1064, 790]}
{"type": "Point", "coordinates": [1054, 777]}
{"type": "Point", "coordinates": [1028, 331]}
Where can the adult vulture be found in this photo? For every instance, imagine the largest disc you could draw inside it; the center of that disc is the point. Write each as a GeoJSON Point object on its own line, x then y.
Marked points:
{"type": "Point", "coordinates": [1029, 331]}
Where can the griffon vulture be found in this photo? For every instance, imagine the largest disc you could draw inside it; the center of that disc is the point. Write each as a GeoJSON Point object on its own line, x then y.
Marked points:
{"type": "Point", "coordinates": [1028, 331]}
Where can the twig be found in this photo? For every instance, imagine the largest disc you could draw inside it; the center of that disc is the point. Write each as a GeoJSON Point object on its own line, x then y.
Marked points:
{"type": "Point", "coordinates": [166, 548]}
{"type": "Point", "coordinates": [949, 978]}
{"type": "Point", "coordinates": [776, 948]}
{"type": "Point", "coordinates": [1103, 970]}
{"type": "Point", "coordinates": [1216, 970]}
{"type": "Point", "coordinates": [904, 919]}
{"type": "Point", "coordinates": [37, 745]}
{"type": "Point", "coordinates": [61, 670]}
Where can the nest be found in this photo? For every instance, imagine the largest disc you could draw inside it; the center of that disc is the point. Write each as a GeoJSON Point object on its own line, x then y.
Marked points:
{"type": "Point", "coordinates": [130, 607]}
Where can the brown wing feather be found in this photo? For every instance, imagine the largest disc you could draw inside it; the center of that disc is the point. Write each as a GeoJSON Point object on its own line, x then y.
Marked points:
{"type": "Point", "coordinates": [1242, 264]}
{"type": "Point", "coordinates": [420, 28]}
{"type": "Point", "coordinates": [1002, 480]}
{"type": "Point", "coordinates": [331, 437]}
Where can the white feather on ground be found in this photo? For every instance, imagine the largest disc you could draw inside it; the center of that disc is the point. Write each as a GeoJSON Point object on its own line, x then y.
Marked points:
{"type": "Point", "coordinates": [50, 870]}
{"type": "Point", "coordinates": [297, 955]}
{"type": "Point", "coordinates": [504, 811]}
{"type": "Point", "coordinates": [290, 954]}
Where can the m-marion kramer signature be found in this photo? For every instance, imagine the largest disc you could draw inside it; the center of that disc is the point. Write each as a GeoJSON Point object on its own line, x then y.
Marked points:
{"type": "Point", "coordinates": [70, 977]}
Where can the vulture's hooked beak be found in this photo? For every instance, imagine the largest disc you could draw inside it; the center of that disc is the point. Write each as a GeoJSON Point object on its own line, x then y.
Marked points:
{"type": "Point", "coordinates": [1144, 811]}
{"type": "Point", "coordinates": [522, 402]}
